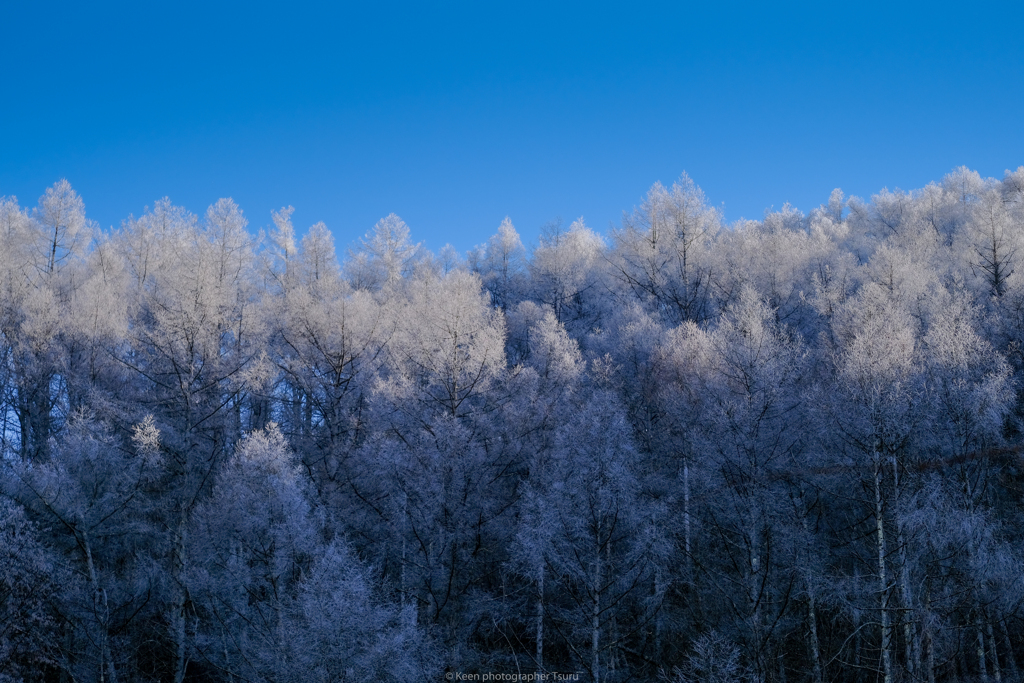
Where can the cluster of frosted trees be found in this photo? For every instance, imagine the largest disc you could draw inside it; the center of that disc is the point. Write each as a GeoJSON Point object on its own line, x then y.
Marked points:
{"type": "Point", "coordinates": [781, 450]}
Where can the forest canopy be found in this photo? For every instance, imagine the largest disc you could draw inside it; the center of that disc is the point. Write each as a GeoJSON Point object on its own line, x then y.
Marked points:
{"type": "Point", "coordinates": [776, 450]}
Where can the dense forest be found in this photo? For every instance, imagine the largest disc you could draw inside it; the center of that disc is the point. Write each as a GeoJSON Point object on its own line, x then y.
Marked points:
{"type": "Point", "coordinates": [775, 450]}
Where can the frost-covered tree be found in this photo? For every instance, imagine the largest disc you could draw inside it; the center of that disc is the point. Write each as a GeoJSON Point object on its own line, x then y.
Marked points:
{"type": "Point", "coordinates": [590, 536]}
{"type": "Point", "coordinates": [195, 348]}
{"type": "Point", "coordinates": [43, 255]}
{"type": "Point", "coordinates": [92, 498]}
{"type": "Point", "coordinates": [878, 394]}
{"type": "Point", "coordinates": [565, 274]}
{"type": "Point", "coordinates": [448, 349]}
{"type": "Point", "coordinates": [327, 341]}
{"type": "Point", "coordinates": [502, 265]}
{"type": "Point", "coordinates": [384, 256]}
{"type": "Point", "coordinates": [755, 376]}
{"type": "Point", "coordinates": [63, 229]}
{"type": "Point", "coordinates": [29, 582]}
{"type": "Point", "coordinates": [660, 256]}
{"type": "Point", "coordinates": [276, 600]}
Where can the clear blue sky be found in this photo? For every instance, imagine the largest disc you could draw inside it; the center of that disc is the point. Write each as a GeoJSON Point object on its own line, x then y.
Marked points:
{"type": "Point", "coordinates": [455, 115]}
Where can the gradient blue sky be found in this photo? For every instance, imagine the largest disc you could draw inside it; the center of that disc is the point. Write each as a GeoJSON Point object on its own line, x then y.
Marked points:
{"type": "Point", "coordinates": [454, 115]}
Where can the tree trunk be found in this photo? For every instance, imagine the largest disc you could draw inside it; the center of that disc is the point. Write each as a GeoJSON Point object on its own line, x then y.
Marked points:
{"type": "Point", "coordinates": [812, 615]}
{"type": "Point", "coordinates": [911, 644]}
{"type": "Point", "coordinates": [540, 619]}
{"type": "Point", "coordinates": [857, 639]}
{"type": "Point", "coordinates": [36, 422]}
{"type": "Point", "coordinates": [686, 524]}
{"type": "Point", "coordinates": [928, 637]}
{"type": "Point", "coordinates": [812, 618]}
{"type": "Point", "coordinates": [997, 672]}
{"type": "Point", "coordinates": [1011, 659]}
{"type": "Point", "coordinates": [613, 636]}
{"type": "Point", "coordinates": [659, 621]}
{"type": "Point", "coordinates": [883, 583]}
{"type": "Point", "coordinates": [595, 619]}
{"type": "Point", "coordinates": [101, 616]}
{"type": "Point", "coordinates": [178, 609]}
{"type": "Point", "coordinates": [982, 665]}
